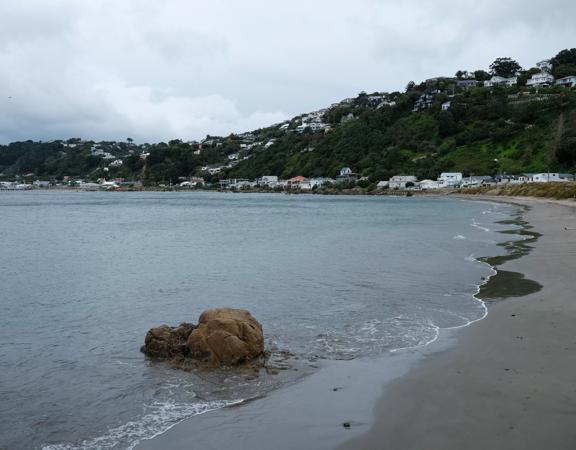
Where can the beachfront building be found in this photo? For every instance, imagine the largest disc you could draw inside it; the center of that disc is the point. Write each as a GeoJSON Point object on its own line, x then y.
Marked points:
{"type": "Point", "coordinates": [473, 181]}
{"type": "Point", "coordinates": [551, 177]}
{"type": "Point", "coordinates": [513, 179]}
{"type": "Point", "coordinates": [295, 182]}
{"type": "Point", "coordinates": [270, 181]}
{"type": "Point", "coordinates": [426, 185]}
{"type": "Point", "coordinates": [501, 81]}
{"type": "Point", "coordinates": [569, 82]}
{"type": "Point", "coordinates": [402, 181]}
{"type": "Point", "coordinates": [450, 179]}
{"type": "Point", "coordinates": [346, 176]}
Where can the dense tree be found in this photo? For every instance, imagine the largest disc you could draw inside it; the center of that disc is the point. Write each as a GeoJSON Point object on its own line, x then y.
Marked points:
{"type": "Point", "coordinates": [481, 75]}
{"type": "Point", "coordinates": [505, 67]}
{"type": "Point", "coordinates": [564, 63]}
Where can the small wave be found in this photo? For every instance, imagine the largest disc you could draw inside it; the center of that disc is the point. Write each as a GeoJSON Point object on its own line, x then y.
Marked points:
{"type": "Point", "coordinates": [459, 237]}
{"type": "Point", "coordinates": [164, 417]}
{"type": "Point", "coordinates": [476, 224]}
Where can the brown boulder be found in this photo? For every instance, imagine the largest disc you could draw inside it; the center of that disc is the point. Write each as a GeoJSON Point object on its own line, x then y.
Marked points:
{"type": "Point", "coordinates": [226, 337]}
{"type": "Point", "coordinates": [167, 342]}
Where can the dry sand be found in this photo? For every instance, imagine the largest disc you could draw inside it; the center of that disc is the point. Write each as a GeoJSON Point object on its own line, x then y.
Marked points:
{"type": "Point", "coordinates": [508, 383]}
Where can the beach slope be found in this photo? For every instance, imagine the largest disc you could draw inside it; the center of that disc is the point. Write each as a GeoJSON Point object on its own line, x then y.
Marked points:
{"type": "Point", "coordinates": [510, 382]}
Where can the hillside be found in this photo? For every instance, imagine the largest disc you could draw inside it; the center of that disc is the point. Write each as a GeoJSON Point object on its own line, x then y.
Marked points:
{"type": "Point", "coordinates": [464, 123]}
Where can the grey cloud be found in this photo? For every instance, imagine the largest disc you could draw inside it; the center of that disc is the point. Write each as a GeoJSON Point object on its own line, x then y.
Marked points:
{"type": "Point", "coordinates": [178, 69]}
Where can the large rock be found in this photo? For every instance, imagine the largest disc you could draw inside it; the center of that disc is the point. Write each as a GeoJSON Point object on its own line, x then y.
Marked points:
{"type": "Point", "coordinates": [167, 342]}
{"type": "Point", "coordinates": [226, 337]}
{"type": "Point", "coordinates": [223, 337]}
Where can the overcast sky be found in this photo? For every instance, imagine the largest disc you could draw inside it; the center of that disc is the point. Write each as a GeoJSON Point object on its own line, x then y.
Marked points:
{"type": "Point", "coordinates": [158, 70]}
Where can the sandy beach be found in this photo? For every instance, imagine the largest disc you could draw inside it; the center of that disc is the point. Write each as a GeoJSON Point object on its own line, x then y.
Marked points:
{"type": "Point", "coordinates": [506, 382]}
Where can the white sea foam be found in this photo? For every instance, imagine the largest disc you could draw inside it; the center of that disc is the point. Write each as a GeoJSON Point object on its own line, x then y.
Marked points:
{"type": "Point", "coordinates": [459, 237]}
{"type": "Point", "coordinates": [476, 224]}
{"type": "Point", "coordinates": [163, 417]}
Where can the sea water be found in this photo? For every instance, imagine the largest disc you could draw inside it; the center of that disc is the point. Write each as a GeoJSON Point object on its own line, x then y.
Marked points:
{"type": "Point", "coordinates": [83, 276]}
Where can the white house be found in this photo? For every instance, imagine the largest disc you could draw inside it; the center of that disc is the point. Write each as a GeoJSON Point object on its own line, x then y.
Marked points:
{"type": "Point", "coordinates": [268, 180]}
{"type": "Point", "coordinates": [320, 181]}
{"type": "Point", "coordinates": [314, 126]}
{"type": "Point", "coordinates": [472, 181]}
{"type": "Point", "coordinates": [545, 65]}
{"type": "Point", "coordinates": [466, 84]}
{"type": "Point", "coordinates": [567, 81]}
{"type": "Point", "coordinates": [400, 181]}
{"type": "Point", "coordinates": [540, 80]}
{"type": "Point", "coordinates": [446, 105]}
{"type": "Point", "coordinates": [382, 184]}
{"type": "Point", "coordinates": [551, 177]}
{"type": "Point", "coordinates": [450, 179]}
{"type": "Point", "coordinates": [501, 81]}
{"type": "Point", "coordinates": [116, 163]}
{"type": "Point", "coordinates": [429, 184]}
{"type": "Point", "coordinates": [424, 102]}
{"type": "Point", "coordinates": [214, 170]}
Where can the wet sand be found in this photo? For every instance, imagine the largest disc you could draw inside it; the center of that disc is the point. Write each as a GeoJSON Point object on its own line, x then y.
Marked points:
{"type": "Point", "coordinates": [506, 382]}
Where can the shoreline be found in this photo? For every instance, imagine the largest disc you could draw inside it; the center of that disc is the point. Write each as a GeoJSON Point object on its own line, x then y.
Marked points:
{"type": "Point", "coordinates": [508, 383]}
{"type": "Point", "coordinates": [322, 429]}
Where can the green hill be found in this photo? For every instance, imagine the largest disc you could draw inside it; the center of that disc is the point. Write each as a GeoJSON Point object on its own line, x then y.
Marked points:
{"type": "Point", "coordinates": [443, 124]}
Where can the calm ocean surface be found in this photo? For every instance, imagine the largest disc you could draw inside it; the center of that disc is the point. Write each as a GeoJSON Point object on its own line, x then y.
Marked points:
{"type": "Point", "coordinates": [83, 276]}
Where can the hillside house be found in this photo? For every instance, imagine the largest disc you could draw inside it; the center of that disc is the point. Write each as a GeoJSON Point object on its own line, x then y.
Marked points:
{"type": "Point", "coordinates": [501, 81]}
{"type": "Point", "coordinates": [424, 102]}
{"type": "Point", "coordinates": [541, 79]}
{"type": "Point", "coordinates": [545, 65]}
{"type": "Point", "coordinates": [446, 105]}
{"type": "Point", "coordinates": [569, 82]}
{"type": "Point", "coordinates": [116, 163]}
{"type": "Point", "coordinates": [466, 84]}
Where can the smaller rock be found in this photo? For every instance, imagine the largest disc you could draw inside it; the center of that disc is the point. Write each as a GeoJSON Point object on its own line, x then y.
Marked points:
{"type": "Point", "coordinates": [167, 342]}
{"type": "Point", "coordinates": [346, 425]}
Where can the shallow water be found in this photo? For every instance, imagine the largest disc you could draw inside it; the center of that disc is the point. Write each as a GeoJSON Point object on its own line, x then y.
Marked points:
{"type": "Point", "coordinates": [84, 275]}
